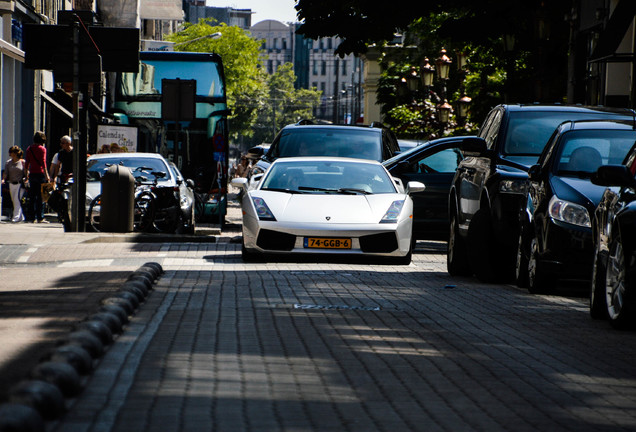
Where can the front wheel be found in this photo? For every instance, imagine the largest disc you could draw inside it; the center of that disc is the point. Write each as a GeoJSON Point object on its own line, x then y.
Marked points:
{"type": "Point", "coordinates": [93, 217]}
{"type": "Point", "coordinates": [539, 281]}
{"type": "Point", "coordinates": [457, 263]}
{"type": "Point", "coordinates": [598, 306]}
{"type": "Point", "coordinates": [620, 307]}
{"type": "Point", "coordinates": [521, 265]}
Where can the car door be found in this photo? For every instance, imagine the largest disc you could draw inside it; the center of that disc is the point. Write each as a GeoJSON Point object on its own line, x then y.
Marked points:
{"type": "Point", "coordinates": [435, 167]}
{"type": "Point", "coordinates": [473, 171]}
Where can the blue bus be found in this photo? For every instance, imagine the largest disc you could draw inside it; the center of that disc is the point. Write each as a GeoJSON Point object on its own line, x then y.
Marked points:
{"type": "Point", "coordinates": [199, 145]}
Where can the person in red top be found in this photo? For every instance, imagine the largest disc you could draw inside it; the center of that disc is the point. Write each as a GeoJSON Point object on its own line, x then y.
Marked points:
{"type": "Point", "coordinates": [37, 173]}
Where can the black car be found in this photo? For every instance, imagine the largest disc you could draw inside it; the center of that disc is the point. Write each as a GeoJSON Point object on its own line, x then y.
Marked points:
{"type": "Point", "coordinates": [489, 187]}
{"type": "Point", "coordinates": [432, 163]}
{"type": "Point", "coordinates": [374, 142]}
{"type": "Point", "coordinates": [555, 240]}
{"type": "Point", "coordinates": [613, 289]}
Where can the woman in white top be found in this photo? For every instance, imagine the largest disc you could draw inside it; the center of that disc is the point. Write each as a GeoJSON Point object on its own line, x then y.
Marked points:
{"type": "Point", "coordinates": [14, 175]}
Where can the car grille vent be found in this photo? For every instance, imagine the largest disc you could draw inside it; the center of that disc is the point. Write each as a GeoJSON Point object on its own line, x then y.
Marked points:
{"type": "Point", "coordinates": [384, 242]}
{"type": "Point", "coordinates": [274, 240]}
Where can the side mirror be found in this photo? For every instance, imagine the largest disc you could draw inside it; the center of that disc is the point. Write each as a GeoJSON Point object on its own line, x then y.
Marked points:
{"type": "Point", "coordinates": [255, 152]}
{"type": "Point", "coordinates": [614, 175]}
{"type": "Point", "coordinates": [401, 167]}
{"type": "Point", "coordinates": [240, 182]}
{"type": "Point", "coordinates": [474, 145]}
{"type": "Point", "coordinates": [414, 186]}
{"type": "Point", "coordinates": [190, 183]}
{"type": "Point", "coordinates": [533, 172]}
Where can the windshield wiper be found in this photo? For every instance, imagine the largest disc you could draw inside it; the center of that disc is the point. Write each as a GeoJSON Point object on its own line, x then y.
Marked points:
{"type": "Point", "coordinates": [291, 191]}
{"type": "Point", "coordinates": [353, 191]}
{"type": "Point", "coordinates": [316, 189]}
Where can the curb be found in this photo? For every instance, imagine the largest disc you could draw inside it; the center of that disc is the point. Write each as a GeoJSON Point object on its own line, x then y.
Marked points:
{"type": "Point", "coordinates": [61, 374]}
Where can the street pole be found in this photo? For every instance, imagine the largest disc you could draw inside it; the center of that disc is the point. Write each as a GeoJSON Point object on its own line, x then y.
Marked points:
{"type": "Point", "coordinates": [75, 226]}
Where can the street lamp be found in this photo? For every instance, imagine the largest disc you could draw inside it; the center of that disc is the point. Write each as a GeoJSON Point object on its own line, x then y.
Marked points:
{"type": "Point", "coordinates": [215, 35]}
{"type": "Point", "coordinates": [443, 112]}
{"type": "Point", "coordinates": [443, 65]}
{"type": "Point", "coordinates": [412, 79]}
{"type": "Point", "coordinates": [462, 106]}
{"type": "Point", "coordinates": [427, 71]}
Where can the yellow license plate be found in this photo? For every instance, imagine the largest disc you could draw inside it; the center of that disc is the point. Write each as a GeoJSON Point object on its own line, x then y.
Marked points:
{"type": "Point", "coordinates": [327, 243]}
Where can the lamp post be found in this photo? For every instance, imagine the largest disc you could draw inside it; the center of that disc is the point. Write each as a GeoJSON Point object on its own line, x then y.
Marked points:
{"type": "Point", "coordinates": [215, 35]}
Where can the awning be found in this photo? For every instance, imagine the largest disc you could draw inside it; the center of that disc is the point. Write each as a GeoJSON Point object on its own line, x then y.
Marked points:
{"type": "Point", "coordinates": [161, 10]}
{"type": "Point", "coordinates": [614, 32]}
{"type": "Point", "coordinates": [53, 102]}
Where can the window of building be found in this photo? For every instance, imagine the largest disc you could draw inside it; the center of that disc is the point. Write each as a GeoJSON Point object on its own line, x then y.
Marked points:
{"type": "Point", "coordinates": [344, 67]}
{"type": "Point", "coordinates": [270, 67]}
{"type": "Point", "coordinates": [323, 87]}
{"type": "Point", "coordinates": [275, 43]}
{"type": "Point", "coordinates": [323, 70]}
{"type": "Point", "coordinates": [322, 44]}
{"type": "Point", "coordinates": [329, 43]}
{"type": "Point", "coordinates": [315, 85]}
{"type": "Point", "coordinates": [315, 68]}
{"type": "Point", "coordinates": [284, 42]}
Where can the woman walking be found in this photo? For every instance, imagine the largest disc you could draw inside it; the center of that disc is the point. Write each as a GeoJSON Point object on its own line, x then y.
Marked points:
{"type": "Point", "coordinates": [14, 175]}
{"type": "Point", "coordinates": [37, 173]}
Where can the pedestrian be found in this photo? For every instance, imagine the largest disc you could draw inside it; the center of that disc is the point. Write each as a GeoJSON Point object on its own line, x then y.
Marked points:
{"type": "Point", "coordinates": [62, 163]}
{"type": "Point", "coordinates": [243, 169]}
{"type": "Point", "coordinates": [37, 174]}
{"type": "Point", "coordinates": [14, 175]}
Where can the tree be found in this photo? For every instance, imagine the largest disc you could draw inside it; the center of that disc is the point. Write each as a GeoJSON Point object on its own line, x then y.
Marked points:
{"type": "Point", "coordinates": [244, 79]}
{"type": "Point", "coordinates": [286, 104]}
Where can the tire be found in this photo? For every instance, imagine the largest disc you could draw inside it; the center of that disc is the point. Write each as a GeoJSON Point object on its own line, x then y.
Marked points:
{"type": "Point", "coordinates": [521, 265]}
{"type": "Point", "coordinates": [457, 263]}
{"type": "Point", "coordinates": [251, 257]}
{"type": "Point", "coordinates": [620, 305]}
{"type": "Point", "coordinates": [598, 304]}
{"type": "Point", "coordinates": [481, 247]}
{"type": "Point", "coordinates": [144, 212]}
{"type": "Point", "coordinates": [539, 281]}
{"type": "Point", "coordinates": [92, 221]}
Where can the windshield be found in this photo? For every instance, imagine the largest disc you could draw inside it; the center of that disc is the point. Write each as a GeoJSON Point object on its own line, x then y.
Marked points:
{"type": "Point", "coordinates": [582, 152]}
{"type": "Point", "coordinates": [529, 132]}
{"type": "Point", "coordinates": [354, 142]}
{"type": "Point", "coordinates": [97, 167]}
{"type": "Point", "coordinates": [321, 176]}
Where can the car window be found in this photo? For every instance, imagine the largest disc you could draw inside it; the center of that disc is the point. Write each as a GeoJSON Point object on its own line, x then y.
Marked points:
{"type": "Point", "coordinates": [97, 167]}
{"type": "Point", "coordinates": [582, 152]}
{"type": "Point", "coordinates": [445, 161]}
{"type": "Point", "coordinates": [354, 142]}
{"type": "Point", "coordinates": [529, 132]}
{"type": "Point", "coordinates": [491, 127]}
{"type": "Point", "coordinates": [327, 177]}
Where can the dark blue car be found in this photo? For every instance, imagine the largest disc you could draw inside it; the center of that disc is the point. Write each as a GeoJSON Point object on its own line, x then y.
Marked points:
{"type": "Point", "coordinates": [555, 240]}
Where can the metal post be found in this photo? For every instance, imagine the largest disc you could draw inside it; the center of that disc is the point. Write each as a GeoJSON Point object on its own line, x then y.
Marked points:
{"type": "Point", "coordinates": [76, 132]}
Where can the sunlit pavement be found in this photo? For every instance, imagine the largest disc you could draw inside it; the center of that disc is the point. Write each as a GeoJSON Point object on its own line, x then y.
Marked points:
{"type": "Point", "coordinates": [226, 346]}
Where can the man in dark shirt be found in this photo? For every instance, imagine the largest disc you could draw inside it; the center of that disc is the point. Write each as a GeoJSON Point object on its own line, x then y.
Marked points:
{"type": "Point", "coordinates": [62, 163]}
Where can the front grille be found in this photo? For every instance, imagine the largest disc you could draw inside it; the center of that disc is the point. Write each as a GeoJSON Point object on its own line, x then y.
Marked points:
{"type": "Point", "coordinates": [274, 240]}
{"type": "Point", "coordinates": [384, 242]}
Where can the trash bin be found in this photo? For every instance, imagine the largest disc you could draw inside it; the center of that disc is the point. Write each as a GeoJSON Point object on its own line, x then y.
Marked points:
{"type": "Point", "coordinates": [118, 200]}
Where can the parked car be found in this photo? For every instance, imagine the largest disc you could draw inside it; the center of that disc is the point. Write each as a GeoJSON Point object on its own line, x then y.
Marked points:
{"type": "Point", "coordinates": [612, 292]}
{"type": "Point", "coordinates": [374, 142]}
{"type": "Point", "coordinates": [327, 205]}
{"type": "Point", "coordinates": [489, 187]}
{"type": "Point", "coordinates": [555, 240]}
{"type": "Point", "coordinates": [179, 209]}
{"type": "Point", "coordinates": [432, 163]}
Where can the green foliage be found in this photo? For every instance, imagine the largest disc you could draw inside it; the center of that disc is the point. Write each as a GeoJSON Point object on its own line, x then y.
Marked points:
{"type": "Point", "coordinates": [285, 104]}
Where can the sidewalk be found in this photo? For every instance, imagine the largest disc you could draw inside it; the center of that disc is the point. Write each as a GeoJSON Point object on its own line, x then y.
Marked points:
{"type": "Point", "coordinates": [51, 280]}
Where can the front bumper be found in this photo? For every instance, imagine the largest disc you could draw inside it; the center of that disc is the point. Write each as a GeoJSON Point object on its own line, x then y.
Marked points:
{"type": "Point", "coordinates": [568, 250]}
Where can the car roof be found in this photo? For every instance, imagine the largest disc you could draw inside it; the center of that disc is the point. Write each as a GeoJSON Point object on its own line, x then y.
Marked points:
{"type": "Point", "coordinates": [569, 108]}
{"type": "Point", "coordinates": [127, 155]}
{"type": "Point", "coordinates": [599, 124]}
{"type": "Point", "coordinates": [370, 128]}
{"type": "Point", "coordinates": [325, 159]}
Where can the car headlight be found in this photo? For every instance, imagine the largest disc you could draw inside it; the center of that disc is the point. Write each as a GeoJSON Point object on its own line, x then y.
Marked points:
{"type": "Point", "coordinates": [514, 186]}
{"type": "Point", "coordinates": [568, 212]}
{"type": "Point", "coordinates": [393, 213]}
{"type": "Point", "coordinates": [262, 211]}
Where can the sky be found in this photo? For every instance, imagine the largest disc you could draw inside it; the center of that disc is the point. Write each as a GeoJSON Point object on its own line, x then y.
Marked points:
{"type": "Point", "coordinates": [279, 10]}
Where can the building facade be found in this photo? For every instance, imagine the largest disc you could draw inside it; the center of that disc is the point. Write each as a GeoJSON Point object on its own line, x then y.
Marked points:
{"type": "Point", "coordinates": [316, 66]}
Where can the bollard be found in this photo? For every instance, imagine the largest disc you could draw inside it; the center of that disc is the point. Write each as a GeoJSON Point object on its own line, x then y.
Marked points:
{"type": "Point", "coordinates": [118, 200]}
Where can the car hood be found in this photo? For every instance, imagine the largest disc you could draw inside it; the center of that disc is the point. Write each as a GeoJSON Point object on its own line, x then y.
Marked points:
{"type": "Point", "coordinates": [577, 190]}
{"type": "Point", "coordinates": [319, 208]}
